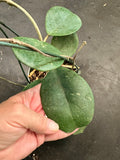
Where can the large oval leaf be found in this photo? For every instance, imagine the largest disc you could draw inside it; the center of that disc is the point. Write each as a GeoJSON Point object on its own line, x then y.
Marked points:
{"type": "Point", "coordinates": [66, 44]}
{"type": "Point", "coordinates": [67, 99]}
{"type": "Point", "coordinates": [60, 22]}
{"type": "Point", "coordinates": [36, 60]}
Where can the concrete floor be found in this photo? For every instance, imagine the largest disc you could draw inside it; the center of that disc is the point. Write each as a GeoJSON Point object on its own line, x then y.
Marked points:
{"type": "Point", "coordinates": [100, 66]}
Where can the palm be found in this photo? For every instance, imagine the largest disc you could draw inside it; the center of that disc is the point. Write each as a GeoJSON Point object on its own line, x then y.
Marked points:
{"type": "Point", "coordinates": [25, 141]}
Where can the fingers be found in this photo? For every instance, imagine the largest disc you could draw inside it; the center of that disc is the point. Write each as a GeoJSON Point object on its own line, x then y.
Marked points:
{"type": "Point", "coordinates": [29, 116]}
{"type": "Point", "coordinates": [30, 98]}
{"type": "Point", "coordinates": [23, 147]}
{"type": "Point", "coordinates": [34, 121]}
{"type": "Point", "coordinates": [58, 135]}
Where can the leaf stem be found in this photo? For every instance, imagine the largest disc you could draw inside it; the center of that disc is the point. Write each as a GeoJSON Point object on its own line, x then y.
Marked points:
{"type": "Point", "coordinates": [11, 42]}
{"type": "Point", "coordinates": [3, 32]}
{"type": "Point", "coordinates": [82, 45]}
{"type": "Point", "coordinates": [45, 39]}
{"type": "Point", "coordinates": [7, 37]}
{"type": "Point", "coordinates": [17, 84]}
{"type": "Point", "coordinates": [21, 44]}
{"type": "Point", "coordinates": [23, 71]}
{"type": "Point", "coordinates": [8, 29]}
{"type": "Point", "coordinates": [10, 2]}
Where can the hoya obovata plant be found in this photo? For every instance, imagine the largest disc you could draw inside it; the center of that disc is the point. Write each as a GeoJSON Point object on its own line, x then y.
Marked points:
{"type": "Point", "coordinates": [66, 97]}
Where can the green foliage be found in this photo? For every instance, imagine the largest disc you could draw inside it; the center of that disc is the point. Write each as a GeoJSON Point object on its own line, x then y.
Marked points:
{"type": "Point", "coordinates": [66, 44]}
{"type": "Point", "coordinates": [66, 96]}
{"type": "Point", "coordinates": [32, 84]}
{"type": "Point", "coordinates": [60, 22]}
{"type": "Point", "coordinates": [67, 99]}
{"type": "Point", "coordinates": [36, 60]}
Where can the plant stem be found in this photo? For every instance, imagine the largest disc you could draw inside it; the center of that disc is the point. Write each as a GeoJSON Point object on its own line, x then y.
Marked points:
{"type": "Point", "coordinates": [23, 71]}
{"type": "Point", "coordinates": [27, 14]}
{"type": "Point", "coordinates": [82, 45]}
{"type": "Point", "coordinates": [17, 84]}
{"type": "Point", "coordinates": [15, 41]}
{"type": "Point", "coordinates": [45, 39]}
{"type": "Point", "coordinates": [11, 42]}
{"type": "Point", "coordinates": [3, 32]}
{"type": "Point", "coordinates": [18, 60]}
{"type": "Point", "coordinates": [9, 29]}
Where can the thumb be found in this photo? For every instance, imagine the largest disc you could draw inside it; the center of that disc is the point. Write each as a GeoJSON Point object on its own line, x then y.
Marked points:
{"type": "Point", "coordinates": [35, 121]}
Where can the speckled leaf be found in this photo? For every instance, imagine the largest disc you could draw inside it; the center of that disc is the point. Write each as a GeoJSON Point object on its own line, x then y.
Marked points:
{"type": "Point", "coordinates": [67, 99]}
{"type": "Point", "coordinates": [60, 22]}
{"type": "Point", "coordinates": [66, 44]}
{"type": "Point", "coordinates": [36, 60]}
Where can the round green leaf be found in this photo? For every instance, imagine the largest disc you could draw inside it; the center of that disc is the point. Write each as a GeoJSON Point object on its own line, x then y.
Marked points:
{"type": "Point", "coordinates": [67, 99]}
{"type": "Point", "coordinates": [36, 60]}
{"type": "Point", "coordinates": [66, 44]}
{"type": "Point", "coordinates": [60, 22]}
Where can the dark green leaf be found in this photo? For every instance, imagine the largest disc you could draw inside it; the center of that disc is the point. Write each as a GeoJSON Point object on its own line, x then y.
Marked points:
{"type": "Point", "coordinates": [36, 60]}
{"type": "Point", "coordinates": [60, 22]}
{"type": "Point", "coordinates": [80, 130]}
{"type": "Point", "coordinates": [66, 44]}
{"type": "Point", "coordinates": [32, 84]}
{"type": "Point", "coordinates": [67, 99]}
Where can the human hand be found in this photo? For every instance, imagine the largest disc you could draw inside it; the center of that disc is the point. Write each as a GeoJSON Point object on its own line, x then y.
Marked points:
{"type": "Point", "coordinates": [24, 126]}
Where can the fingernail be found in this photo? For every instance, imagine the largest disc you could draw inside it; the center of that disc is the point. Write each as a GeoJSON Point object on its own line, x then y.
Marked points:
{"type": "Point", "coordinates": [53, 126]}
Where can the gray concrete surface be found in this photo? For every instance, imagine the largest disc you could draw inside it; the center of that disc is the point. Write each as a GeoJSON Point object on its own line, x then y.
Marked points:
{"type": "Point", "coordinates": [100, 66]}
